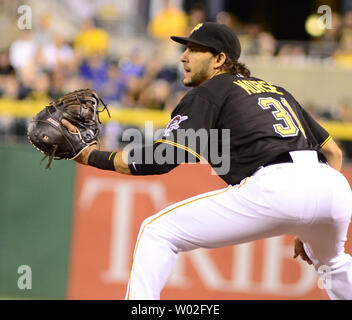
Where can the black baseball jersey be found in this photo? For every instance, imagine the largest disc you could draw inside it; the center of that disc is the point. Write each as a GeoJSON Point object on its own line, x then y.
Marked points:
{"type": "Point", "coordinates": [246, 122]}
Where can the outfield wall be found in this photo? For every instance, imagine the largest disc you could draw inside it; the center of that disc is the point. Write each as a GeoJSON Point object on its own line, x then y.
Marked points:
{"type": "Point", "coordinates": [76, 227]}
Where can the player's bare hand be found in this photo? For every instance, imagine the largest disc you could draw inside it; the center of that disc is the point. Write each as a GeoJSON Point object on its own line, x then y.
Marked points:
{"type": "Point", "coordinates": [70, 127]}
{"type": "Point", "coordinates": [299, 251]}
{"type": "Point", "coordinates": [82, 158]}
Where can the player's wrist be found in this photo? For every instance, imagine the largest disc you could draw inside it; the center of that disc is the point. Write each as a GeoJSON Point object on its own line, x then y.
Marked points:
{"type": "Point", "coordinates": [101, 159]}
{"type": "Point", "coordinates": [83, 156]}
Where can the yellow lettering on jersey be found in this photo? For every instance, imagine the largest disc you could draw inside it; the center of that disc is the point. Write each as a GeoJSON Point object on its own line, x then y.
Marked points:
{"type": "Point", "coordinates": [254, 86]}
{"type": "Point", "coordinates": [289, 128]}
{"type": "Point", "coordinates": [243, 86]}
{"type": "Point", "coordinates": [273, 89]}
{"type": "Point", "coordinates": [284, 101]}
{"type": "Point", "coordinates": [261, 86]}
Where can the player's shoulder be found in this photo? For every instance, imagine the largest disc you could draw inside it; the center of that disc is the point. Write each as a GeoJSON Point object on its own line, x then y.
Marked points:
{"type": "Point", "coordinates": [204, 92]}
{"type": "Point", "coordinates": [254, 86]}
{"type": "Point", "coordinates": [226, 82]}
{"type": "Point", "coordinates": [201, 95]}
{"type": "Point", "coordinates": [216, 87]}
{"type": "Point", "coordinates": [214, 91]}
{"type": "Point", "coordinates": [223, 80]}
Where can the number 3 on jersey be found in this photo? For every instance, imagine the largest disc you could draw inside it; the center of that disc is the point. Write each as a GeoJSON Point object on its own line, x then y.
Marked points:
{"type": "Point", "coordinates": [289, 128]}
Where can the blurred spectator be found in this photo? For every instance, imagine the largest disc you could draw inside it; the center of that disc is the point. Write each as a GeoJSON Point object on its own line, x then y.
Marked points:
{"type": "Point", "coordinates": [10, 88]}
{"type": "Point", "coordinates": [197, 15]}
{"type": "Point", "coordinates": [343, 55]}
{"type": "Point", "coordinates": [83, 9]}
{"type": "Point", "coordinates": [57, 81]}
{"type": "Point", "coordinates": [333, 33]}
{"type": "Point", "coordinates": [23, 50]}
{"type": "Point", "coordinates": [91, 40]}
{"type": "Point", "coordinates": [248, 38]}
{"type": "Point", "coordinates": [43, 33]}
{"type": "Point", "coordinates": [347, 20]}
{"type": "Point", "coordinates": [224, 17]}
{"type": "Point", "coordinates": [252, 29]}
{"type": "Point", "coordinates": [156, 95]}
{"type": "Point", "coordinates": [168, 73]}
{"type": "Point", "coordinates": [152, 69]}
{"type": "Point", "coordinates": [133, 72]}
{"type": "Point", "coordinates": [115, 86]}
{"type": "Point", "coordinates": [7, 72]}
{"type": "Point", "coordinates": [56, 53]}
{"type": "Point", "coordinates": [43, 65]}
{"type": "Point", "coordinates": [346, 110]}
{"type": "Point", "coordinates": [147, 81]}
{"type": "Point", "coordinates": [75, 82]}
{"type": "Point", "coordinates": [311, 107]}
{"type": "Point", "coordinates": [175, 97]}
{"type": "Point", "coordinates": [155, 69]}
{"type": "Point", "coordinates": [134, 65]}
{"type": "Point", "coordinates": [230, 20]}
{"type": "Point", "coordinates": [292, 53]}
{"type": "Point", "coordinates": [27, 80]}
{"type": "Point", "coordinates": [328, 113]}
{"type": "Point", "coordinates": [11, 127]}
{"type": "Point", "coordinates": [132, 93]}
{"type": "Point", "coordinates": [168, 21]}
{"type": "Point", "coordinates": [95, 71]}
{"type": "Point", "coordinates": [41, 87]}
{"type": "Point", "coordinates": [263, 45]}
{"type": "Point", "coordinates": [266, 44]}
{"type": "Point", "coordinates": [6, 67]}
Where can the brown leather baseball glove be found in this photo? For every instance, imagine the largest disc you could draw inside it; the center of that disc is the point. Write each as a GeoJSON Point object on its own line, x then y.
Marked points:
{"type": "Point", "coordinates": [47, 133]}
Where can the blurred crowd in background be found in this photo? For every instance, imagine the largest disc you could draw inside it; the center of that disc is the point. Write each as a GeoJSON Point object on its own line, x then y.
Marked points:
{"type": "Point", "coordinates": [45, 62]}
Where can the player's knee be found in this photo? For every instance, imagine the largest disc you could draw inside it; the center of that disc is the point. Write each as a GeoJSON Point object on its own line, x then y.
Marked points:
{"type": "Point", "coordinates": [342, 260]}
{"type": "Point", "coordinates": [145, 223]}
{"type": "Point", "coordinates": [148, 227]}
{"type": "Point", "coordinates": [149, 220]}
{"type": "Point", "coordinates": [158, 232]}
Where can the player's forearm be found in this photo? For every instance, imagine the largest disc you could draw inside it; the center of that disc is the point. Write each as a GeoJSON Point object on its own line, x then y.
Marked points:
{"type": "Point", "coordinates": [110, 160]}
{"type": "Point", "coordinates": [334, 160]}
{"type": "Point", "coordinates": [105, 160]}
{"type": "Point", "coordinates": [121, 163]}
{"type": "Point", "coordinates": [333, 154]}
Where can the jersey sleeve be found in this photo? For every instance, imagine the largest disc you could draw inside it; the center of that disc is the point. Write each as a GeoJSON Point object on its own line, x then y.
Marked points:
{"type": "Point", "coordinates": [320, 134]}
{"type": "Point", "coordinates": [184, 140]}
{"type": "Point", "coordinates": [189, 128]}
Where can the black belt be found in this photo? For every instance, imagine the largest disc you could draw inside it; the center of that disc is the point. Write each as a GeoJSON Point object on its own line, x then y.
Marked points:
{"type": "Point", "coordinates": [286, 157]}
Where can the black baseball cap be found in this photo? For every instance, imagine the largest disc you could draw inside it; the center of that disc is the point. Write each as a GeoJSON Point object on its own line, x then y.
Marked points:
{"type": "Point", "coordinates": [215, 36]}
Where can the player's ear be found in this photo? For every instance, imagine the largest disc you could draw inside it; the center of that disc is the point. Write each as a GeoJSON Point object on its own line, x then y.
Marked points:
{"type": "Point", "coordinates": [220, 59]}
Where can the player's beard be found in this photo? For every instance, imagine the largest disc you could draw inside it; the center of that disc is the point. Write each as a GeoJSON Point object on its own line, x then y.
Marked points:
{"type": "Point", "coordinates": [198, 77]}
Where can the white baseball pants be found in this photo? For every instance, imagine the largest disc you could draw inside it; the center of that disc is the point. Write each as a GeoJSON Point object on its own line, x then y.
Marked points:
{"type": "Point", "coordinates": [304, 198]}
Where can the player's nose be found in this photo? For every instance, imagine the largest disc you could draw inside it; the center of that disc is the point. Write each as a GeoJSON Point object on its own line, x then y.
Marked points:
{"type": "Point", "coordinates": [183, 57]}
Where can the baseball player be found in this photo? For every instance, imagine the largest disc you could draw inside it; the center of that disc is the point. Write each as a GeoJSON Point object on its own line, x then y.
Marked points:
{"type": "Point", "coordinates": [283, 176]}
